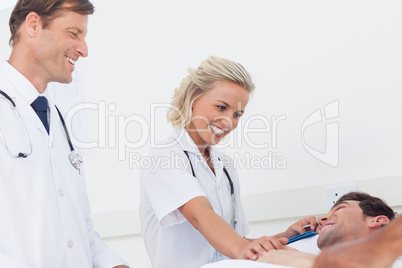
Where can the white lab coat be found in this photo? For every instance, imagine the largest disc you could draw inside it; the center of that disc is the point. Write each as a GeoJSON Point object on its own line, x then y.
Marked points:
{"type": "Point", "coordinates": [44, 210]}
{"type": "Point", "coordinates": [167, 184]}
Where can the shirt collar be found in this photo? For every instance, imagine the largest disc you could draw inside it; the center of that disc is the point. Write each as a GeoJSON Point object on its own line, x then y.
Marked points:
{"type": "Point", "coordinates": [21, 84]}
{"type": "Point", "coordinates": [186, 142]}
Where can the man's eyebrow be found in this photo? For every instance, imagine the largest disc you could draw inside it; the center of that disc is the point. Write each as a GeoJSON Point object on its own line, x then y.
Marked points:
{"type": "Point", "coordinates": [74, 28]}
{"type": "Point", "coordinates": [342, 203]}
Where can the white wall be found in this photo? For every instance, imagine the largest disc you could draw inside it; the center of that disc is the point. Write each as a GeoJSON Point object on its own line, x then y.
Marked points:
{"type": "Point", "coordinates": [303, 55]}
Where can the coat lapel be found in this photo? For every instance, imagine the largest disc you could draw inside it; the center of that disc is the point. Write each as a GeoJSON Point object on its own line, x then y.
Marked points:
{"type": "Point", "coordinates": [25, 110]}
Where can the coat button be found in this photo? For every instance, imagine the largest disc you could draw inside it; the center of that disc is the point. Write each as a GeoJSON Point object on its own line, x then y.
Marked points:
{"type": "Point", "coordinates": [70, 244]}
{"type": "Point", "coordinates": [61, 192]}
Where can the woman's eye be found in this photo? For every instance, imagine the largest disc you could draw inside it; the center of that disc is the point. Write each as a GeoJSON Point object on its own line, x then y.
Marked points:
{"type": "Point", "coordinates": [73, 34]}
{"type": "Point", "coordinates": [221, 108]}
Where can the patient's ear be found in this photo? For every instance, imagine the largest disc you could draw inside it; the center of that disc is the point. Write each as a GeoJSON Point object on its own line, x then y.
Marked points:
{"type": "Point", "coordinates": [378, 222]}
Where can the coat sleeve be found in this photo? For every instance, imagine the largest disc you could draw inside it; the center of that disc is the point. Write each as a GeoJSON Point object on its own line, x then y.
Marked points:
{"type": "Point", "coordinates": [102, 255]}
{"type": "Point", "coordinates": [169, 187]}
{"type": "Point", "coordinates": [9, 261]}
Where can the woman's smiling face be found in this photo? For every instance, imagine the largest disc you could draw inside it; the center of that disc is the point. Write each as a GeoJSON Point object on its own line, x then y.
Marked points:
{"type": "Point", "coordinates": [216, 113]}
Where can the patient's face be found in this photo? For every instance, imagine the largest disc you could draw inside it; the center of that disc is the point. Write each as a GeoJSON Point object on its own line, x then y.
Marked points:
{"type": "Point", "coordinates": [344, 222]}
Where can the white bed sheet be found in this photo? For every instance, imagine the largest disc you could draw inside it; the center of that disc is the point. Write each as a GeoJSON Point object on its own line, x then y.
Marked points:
{"type": "Point", "coordinates": [308, 245]}
{"type": "Point", "coordinates": [241, 264]}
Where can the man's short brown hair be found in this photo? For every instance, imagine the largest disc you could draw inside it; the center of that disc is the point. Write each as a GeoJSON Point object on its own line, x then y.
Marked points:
{"type": "Point", "coordinates": [48, 10]}
{"type": "Point", "coordinates": [371, 206]}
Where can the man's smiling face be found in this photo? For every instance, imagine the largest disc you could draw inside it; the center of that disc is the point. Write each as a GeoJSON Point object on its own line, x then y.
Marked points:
{"type": "Point", "coordinates": [344, 222]}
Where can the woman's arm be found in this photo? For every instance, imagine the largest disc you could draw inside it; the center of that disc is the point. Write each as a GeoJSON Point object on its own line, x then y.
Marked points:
{"type": "Point", "coordinates": [199, 212]}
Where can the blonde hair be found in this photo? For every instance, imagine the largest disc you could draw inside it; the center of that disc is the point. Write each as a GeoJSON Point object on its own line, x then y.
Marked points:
{"type": "Point", "coordinates": [199, 81]}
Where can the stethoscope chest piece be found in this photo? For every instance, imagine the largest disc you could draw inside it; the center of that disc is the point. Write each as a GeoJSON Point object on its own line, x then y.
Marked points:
{"type": "Point", "coordinates": [75, 160]}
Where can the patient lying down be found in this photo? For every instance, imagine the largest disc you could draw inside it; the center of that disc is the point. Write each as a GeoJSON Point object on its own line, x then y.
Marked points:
{"type": "Point", "coordinates": [355, 215]}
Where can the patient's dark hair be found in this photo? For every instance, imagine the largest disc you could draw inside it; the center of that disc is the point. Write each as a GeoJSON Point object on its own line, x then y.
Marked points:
{"type": "Point", "coordinates": [371, 206]}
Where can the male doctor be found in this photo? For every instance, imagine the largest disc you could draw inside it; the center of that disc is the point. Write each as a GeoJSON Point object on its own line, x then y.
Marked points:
{"type": "Point", "coordinates": [44, 211]}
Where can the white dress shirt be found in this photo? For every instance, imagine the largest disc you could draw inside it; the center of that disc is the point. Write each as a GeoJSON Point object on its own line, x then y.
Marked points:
{"type": "Point", "coordinates": [167, 184]}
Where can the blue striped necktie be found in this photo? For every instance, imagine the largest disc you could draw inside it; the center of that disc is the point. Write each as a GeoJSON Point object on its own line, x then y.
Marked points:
{"type": "Point", "coordinates": [40, 107]}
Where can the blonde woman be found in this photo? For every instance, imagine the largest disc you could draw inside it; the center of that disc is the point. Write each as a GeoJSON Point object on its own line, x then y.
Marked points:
{"type": "Point", "coordinates": [190, 209]}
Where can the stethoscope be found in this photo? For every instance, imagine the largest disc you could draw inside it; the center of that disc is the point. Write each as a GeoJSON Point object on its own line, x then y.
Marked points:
{"type": "Point", "coordinates": [234, 220]}
{"type": "Point", "coordinates": [75, 158]}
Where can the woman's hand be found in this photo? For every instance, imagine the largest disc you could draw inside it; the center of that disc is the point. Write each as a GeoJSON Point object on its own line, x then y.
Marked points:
{"type": "Point", "coordinates": [258, 247]}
